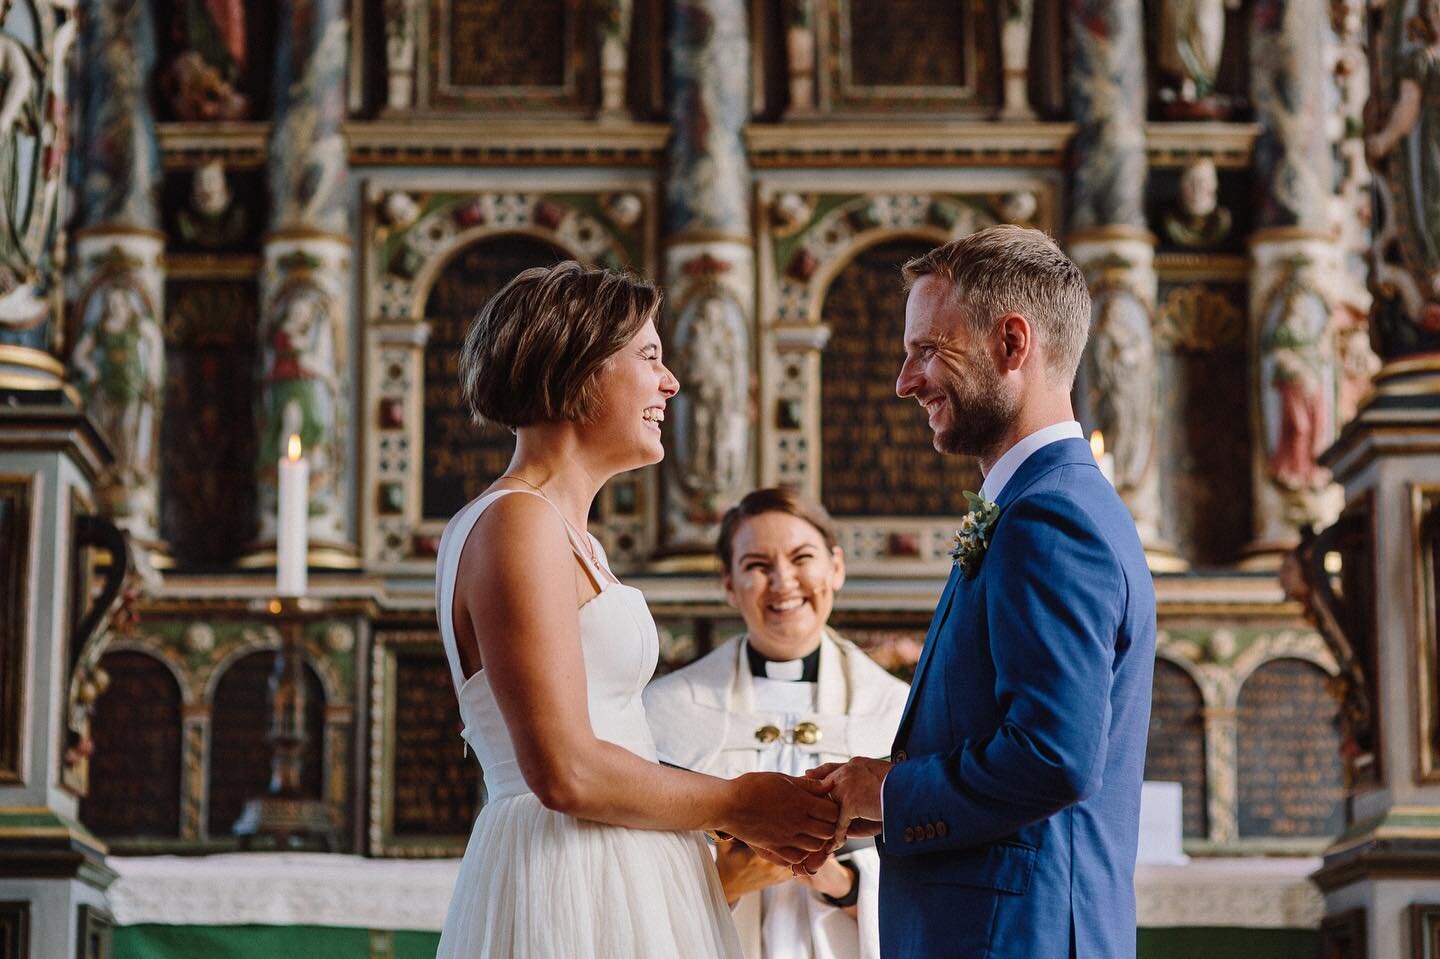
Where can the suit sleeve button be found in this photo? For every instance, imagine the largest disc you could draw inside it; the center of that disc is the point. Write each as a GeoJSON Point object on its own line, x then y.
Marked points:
{"type": "Point", "coordinates": [929, 830]}
{"type": "Point", "coordinates": [941, 829]}
{"type": "Point", "coordinates": [909, 834]}
{"type": "Point", "coordinates": [899, 756]}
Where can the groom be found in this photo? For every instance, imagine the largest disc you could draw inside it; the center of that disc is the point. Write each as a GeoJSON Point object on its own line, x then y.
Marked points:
{"type": "Point", "coordinates": [1008, 812]}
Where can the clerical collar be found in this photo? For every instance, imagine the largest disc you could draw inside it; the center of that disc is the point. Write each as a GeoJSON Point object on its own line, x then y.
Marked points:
{"type": "Point", "coordinates": [805, 670]}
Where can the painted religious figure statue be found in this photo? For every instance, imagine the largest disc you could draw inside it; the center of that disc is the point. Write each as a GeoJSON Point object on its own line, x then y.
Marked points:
{"type": "Point", "coordinates": [300, 389]}
{"type": "Point", "coordinates": [713, 412]}
{"type": "Point", "coordinates": [120, 365]}
{"type": "Point", "coordinates": [212, 218]}
{"type": "Point", "coordinates": [1122, 381]}
{"type": "Point", "coordinates": [1198, 221]}
{"type": "Point", "coordinates": [1298, 398]}
{"type": "Point", "coordinates": [205, 80]}
{"type": "Point", "coordinates": [1192, 38]}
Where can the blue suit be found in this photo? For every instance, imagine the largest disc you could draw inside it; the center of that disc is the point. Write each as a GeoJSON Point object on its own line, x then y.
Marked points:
{"type": "Point", "coordinates": [1012, 814]}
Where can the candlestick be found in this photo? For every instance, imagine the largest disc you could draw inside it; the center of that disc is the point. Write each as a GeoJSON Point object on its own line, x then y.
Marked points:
{"type": "Point", "coordinates": [291, 528]}
{"type": "Point", "coordinates": [1106, 461]}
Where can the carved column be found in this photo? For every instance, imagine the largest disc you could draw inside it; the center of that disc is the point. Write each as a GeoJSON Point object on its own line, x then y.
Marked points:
{"type": "Point", "coordinates": [1110, 242]}
{"type": "Point", "coordinates": [1380, 614]}
{"type": "Point", "coordinates": [709, 274]}
{"type": "Point", "coordinates": [35, 45]}
{"type": "Point", "coordinates": [1294, 283]}
{"type": "Point", "coordinates": [800, 63]}
{"type": "Point", "coordinates": [401, 43]}
{"type": "Point", "coordinates": [304, 381]}
{"type": "Point", "coordinates": [1015, 59]}
{"type": "Point", "coordinates": [614, 35]}
{"type": "Point", "coordinates": [118, 361]}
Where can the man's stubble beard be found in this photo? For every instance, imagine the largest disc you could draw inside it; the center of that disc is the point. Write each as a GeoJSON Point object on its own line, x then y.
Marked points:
{"type": "Point", "coordinates": [981, 412]}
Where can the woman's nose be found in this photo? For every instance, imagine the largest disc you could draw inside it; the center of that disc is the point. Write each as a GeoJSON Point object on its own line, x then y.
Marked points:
{"type": "Point", "coordinates": [782, 574]}
{"type": "Point", "coordinates": [669, 385]}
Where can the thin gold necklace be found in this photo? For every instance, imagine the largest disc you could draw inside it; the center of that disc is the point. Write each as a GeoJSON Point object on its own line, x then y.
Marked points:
{"type": "Point", "coordinates": [589, 546]}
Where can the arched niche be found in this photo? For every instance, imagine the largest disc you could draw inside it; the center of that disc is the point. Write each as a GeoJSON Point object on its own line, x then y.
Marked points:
{"type": "Point", "coordinates": [239, 755]}
{"type": "Point", "coordinates": [877, 454]}
{"type": "Point", "coordinates": [461, 458]}
{"type": "Point", "coordinates": [1176, 748]}
{"type": "Point", "coordinates": [1288, 769]}
{"type": "Point", "coordinates": [134, 789]}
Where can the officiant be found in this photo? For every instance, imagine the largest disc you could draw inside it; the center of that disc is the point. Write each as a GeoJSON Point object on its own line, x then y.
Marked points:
{"type": "Point", "coordinates": [785, 696]}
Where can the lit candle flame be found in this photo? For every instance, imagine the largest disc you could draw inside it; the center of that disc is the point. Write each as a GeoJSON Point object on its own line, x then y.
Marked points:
{"type": "Point", "coordinates": [292, 450]}
{"type": "Point", "coordinates": [1097, 444]}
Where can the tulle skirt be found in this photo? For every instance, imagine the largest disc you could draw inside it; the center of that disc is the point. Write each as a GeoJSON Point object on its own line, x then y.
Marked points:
{"type": "Point", "coordinates": [537, 884]}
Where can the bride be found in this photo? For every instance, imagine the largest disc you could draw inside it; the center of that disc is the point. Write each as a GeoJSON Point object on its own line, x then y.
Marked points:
{"type": "Point", "coordinates": [587, 847]}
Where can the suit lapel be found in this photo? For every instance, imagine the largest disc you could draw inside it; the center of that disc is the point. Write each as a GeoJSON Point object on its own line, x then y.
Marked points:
{"type": "Point", "coordinates": [942, 613]}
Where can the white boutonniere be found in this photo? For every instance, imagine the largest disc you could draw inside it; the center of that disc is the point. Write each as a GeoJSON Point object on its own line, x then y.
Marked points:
{"type": "Point", "coordinates": [973, 536]}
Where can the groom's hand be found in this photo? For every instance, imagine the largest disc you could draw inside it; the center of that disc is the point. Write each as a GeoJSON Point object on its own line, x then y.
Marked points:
{"type": "Point", "coordinates": [789, 817]}
{"type": "Point", "coordinates": [855, 787]}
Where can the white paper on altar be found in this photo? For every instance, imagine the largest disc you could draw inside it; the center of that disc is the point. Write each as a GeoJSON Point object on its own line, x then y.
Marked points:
{"type": "Point", "coordinates": [1161, 825]}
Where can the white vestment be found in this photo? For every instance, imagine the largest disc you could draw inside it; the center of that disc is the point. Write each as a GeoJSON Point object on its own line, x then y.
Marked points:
{"type": "Point", "coordinates": [705, 717]}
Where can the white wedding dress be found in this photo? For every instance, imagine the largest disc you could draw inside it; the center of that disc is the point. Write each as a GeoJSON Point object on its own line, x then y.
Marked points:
{"type": "Point", "coordinates": [536, 884]}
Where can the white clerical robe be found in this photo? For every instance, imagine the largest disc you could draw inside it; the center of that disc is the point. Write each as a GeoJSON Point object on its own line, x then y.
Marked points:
{"type": "Point", "coordinates": [706, 717]}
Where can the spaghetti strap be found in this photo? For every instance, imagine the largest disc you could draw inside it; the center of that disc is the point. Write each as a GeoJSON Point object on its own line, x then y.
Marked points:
{"type": "Point", "coordinates": [447, 569]}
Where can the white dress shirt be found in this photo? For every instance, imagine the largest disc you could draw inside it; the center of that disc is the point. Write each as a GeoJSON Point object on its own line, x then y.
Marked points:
{"type": "Point", "coordinates": [1007, 465]}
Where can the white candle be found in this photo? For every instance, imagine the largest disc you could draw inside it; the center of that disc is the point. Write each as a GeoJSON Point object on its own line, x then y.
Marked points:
{"type": "Point", "coordinates": [290, 529]}
{"type": "Point", "coordinates": [1106, 461]}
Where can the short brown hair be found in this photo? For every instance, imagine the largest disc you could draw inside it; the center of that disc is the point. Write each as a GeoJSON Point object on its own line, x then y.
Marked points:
{"type": "Point", "coordinates": [1004, 269]}
{"type": "Point", "coordinates": [772, 499]}
{"type": "Point", "coordinates": [533, 351]}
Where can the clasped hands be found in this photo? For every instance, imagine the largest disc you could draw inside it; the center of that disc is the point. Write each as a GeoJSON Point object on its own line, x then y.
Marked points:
{"type": "Point", "coordinates": [808, 831]}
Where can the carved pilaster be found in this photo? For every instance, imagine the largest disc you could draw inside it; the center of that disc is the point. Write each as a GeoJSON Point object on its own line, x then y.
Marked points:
{"type": "Point", "coordinates": [709, 273]}
{"type": "Point", "coordinates": [1114, 248]}
{"type": "Point", "coordinates": [401, 42]}
{"type": "Point", "coordinates": [304, 383]}
{"type": "Point", "coordinates": [118, 360]}
{"type": "Point", "coordinates": [800, 64]}
{"type": "Point", "coordinates": [1015, 59]}
{"type": "Point", "coordinates": [1294, 286]}
{"type": "Point", "coordinates": [36, 37]}
{"type": "Point", "coordinates": [1121, 371]}
{"type": "Point", "coordinates": [613, 27]}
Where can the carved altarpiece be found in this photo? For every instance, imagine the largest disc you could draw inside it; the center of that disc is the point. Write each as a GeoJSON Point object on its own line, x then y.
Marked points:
{"type": "Point", "coordinates": [816, 226]}
{"type": "Point", "coordinates": [198, 655]}
{"type": "Point", "coordinates": [423, 462]}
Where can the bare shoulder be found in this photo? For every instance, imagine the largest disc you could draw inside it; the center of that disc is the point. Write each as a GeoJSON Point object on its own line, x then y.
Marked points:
{"type": "Point", "coordinates": [518, 533]}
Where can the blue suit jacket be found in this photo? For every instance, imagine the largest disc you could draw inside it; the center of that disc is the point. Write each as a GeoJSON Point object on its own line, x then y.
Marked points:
{"type": "Point", "coordinates": [1012, 820]}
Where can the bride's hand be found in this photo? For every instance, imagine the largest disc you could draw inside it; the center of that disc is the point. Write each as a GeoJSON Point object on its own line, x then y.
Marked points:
{"type": "Point", "coordinates": [788, 816]}
{"type": "Point", "coordinates": [745, 870]}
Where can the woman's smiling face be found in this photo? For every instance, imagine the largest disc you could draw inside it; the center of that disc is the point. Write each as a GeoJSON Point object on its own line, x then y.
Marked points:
{"type": "Point", "coordinates": [783, 579]}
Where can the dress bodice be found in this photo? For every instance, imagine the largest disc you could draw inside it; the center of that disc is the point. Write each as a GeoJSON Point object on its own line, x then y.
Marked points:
{"type": "Point", "coordinates": [618, 642]}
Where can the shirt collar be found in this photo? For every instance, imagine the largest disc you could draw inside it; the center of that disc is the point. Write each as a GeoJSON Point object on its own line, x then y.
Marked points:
{"type": "Point", "coordinates": [1016, 455]}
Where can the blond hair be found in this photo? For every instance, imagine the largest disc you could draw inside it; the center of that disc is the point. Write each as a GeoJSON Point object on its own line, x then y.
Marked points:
{"type": "Point", "coordinates": [1014, 269]}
